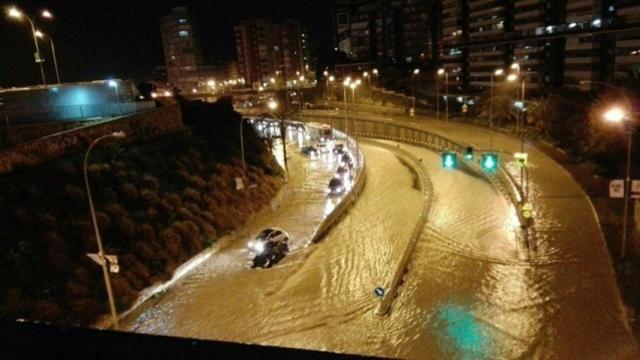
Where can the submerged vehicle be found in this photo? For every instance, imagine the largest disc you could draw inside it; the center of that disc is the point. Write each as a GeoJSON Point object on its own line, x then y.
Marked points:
{"type": "Point", "coordinates": [269, 247]}
{"type": "Point", "coordinates": [336, 187]}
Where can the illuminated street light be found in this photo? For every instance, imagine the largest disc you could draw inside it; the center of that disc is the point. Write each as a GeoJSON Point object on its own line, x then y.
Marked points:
{"type": "Point", "coordinates": [14, 13]}
{"type": "Point", "coordinates": [416, 71]}
{"type": "Point", "coordinates": [114, 85]}
{"type": "Point", "coordinates": [497, 72]}
{"type": "Point", "coordinates": [46, 14]}
{"type": "Point", "coordinates": [618, 115]}
{"type": "Point", "coordinates": [272, 104]}
{"type": "Point", "coordinates": [512, 77]}
{"type": "Point", "coordinates": [615, 115]}
{"type": "Point", "coordinates": [444, 72]}
{"type": "Point", "coordinates": [17, 14]}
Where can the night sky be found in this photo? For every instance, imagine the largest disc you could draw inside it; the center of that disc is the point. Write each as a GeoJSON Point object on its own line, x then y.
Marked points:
{"type": "Point", "coordinates": [114, 38]}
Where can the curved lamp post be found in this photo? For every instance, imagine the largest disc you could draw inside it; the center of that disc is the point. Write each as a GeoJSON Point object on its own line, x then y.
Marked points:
{"type": "Point", "coordinates": [18, 14]}
{"type": "Point", "coordinates": [101, 253]}
{"type": "Point", "coordinates": [41, 35]}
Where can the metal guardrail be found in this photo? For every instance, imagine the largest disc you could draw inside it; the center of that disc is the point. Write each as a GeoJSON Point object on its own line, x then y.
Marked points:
{"type": "Point", "coordinates": [503, 180]}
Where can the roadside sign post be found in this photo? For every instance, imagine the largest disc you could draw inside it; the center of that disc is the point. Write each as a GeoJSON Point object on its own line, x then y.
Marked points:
{"type": "Point", "coordinates": [616, 189]}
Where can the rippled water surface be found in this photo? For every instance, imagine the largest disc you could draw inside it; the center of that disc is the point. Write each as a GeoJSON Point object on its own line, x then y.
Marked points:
{"type": "Point", "coordinates": [468, 293]}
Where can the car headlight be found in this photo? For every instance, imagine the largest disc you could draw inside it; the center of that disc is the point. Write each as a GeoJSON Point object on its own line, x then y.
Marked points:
{"type": "Point", "coordinates": [259, 247]}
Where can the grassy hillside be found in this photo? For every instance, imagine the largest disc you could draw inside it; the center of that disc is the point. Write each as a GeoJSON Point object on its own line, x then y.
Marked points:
{"type": "Point", "coordinates": [158, 203]}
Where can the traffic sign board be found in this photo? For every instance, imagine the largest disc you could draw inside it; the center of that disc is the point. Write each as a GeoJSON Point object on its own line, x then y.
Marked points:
{"type": "Point", "coordinates": [635, 189]}
{"type": "Point", "coordinates": [239, 184]}
{"type": "Point", "coordinates": [112, 261]}
{"type": "Point", "coordinates": [616, 189]}
{"type": "Point", "coordinates": [379, 292]}
{"type": "Point", "coordinates": [96, 258]}
{"type": "Point", "coordinates": [521, 159]}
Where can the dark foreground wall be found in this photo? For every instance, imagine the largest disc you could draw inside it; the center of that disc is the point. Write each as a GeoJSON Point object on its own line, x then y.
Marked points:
{"type": "Point", "coordinates": [40, 341]}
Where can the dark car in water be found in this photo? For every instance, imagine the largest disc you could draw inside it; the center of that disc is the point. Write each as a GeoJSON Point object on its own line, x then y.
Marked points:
{"type": "Point", "coordinates": [269, 247]}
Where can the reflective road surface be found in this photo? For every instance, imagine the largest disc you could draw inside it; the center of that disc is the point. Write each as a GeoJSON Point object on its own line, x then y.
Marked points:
{"type": "Point", "coordinates": [467, 295]}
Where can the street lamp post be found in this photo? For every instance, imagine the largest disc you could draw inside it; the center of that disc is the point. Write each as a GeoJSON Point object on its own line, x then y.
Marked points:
{"type": "Point", "coordinates": [353, 87]}
{"type": "Point", "coordinates": [438, 97]}
{"type": "Point", "coordinates": [17, 14]}
{"type": "Point", "coordinates": [101, 253]}
{"type": "Point", "coordinates": [345, 85]}
{"type": "Point", "coordinates": [618, 115]}
{"type": "Point", "coordinates": [244, 164]}
{"type": "Point", "coordinates": [302, 79]}
{"type": "Point", "coordinates": [446, 89]}
{"type": "Point", "coordinates": [114, 84]}
{"type": "Point", "coordinates": [498, 72]}
{"type": "Point", "coordinates": [366, 75]}
{"type": "Point", "coordinates": [521, 108]}
{"type": "Point", "coordinates": [273, 106]}
{"type": "Point", "coordinates": [414, 76]}
{"type": "Point", "coordinates": [42, 35]}
{"type": "Point", "coordinates": [516, 67]}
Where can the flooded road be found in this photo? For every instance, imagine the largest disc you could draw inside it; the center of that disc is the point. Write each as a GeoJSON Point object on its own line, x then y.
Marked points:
{"type": "Point", "coordinates": [467, 294]}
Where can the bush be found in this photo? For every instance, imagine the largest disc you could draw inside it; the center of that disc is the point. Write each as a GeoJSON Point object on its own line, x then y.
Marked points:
{"type": "Point", "coordinates": [157, 203]}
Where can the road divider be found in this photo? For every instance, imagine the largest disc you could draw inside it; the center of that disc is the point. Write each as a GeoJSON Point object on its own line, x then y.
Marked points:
{"type": "Point", "coordinates": [392, 288]}
{"type": "Point", "coordinates": [348, 199]}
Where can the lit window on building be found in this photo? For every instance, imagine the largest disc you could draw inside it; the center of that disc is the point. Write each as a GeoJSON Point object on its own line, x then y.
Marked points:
{"type": "Point", "coordinates": [183, 33]}
{"type": "Point", "coordinates": [182, 21]}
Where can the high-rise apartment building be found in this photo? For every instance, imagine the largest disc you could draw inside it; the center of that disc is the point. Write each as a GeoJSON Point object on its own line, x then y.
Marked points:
{"type": "Point", "coordinates": [556, 43]}
{"type": "Point", "coordinates": [183, 55]}
{"type": "Point", "coordinates": [394, 31]}
{"type": "Point", "coordinates": [266, 50]}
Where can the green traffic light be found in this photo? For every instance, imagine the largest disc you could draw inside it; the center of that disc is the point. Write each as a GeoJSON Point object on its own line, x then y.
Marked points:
{"type": "Point", "coordinates": [490, 162]}
{"type": "Point", "coordinates": [449, 160]}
